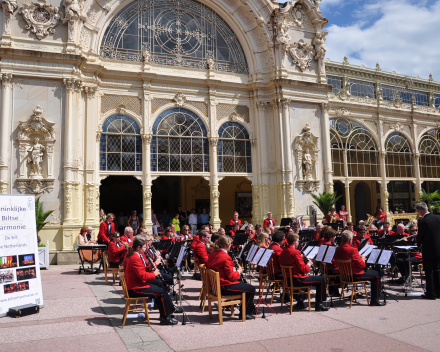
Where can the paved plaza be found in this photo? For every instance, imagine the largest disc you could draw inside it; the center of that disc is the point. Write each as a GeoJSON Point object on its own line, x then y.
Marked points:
{"type": "Point", "coordinates": [81, 313]}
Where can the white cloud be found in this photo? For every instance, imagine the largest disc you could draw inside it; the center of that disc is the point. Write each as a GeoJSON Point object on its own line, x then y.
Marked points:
{"type": "Point", "coordinates": [403, 37]}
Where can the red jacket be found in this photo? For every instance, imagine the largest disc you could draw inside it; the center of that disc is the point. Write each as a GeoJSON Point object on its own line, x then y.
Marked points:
{"type": "Point", "coordinates": [127, 239]}
{"type": "Point", "coordinates": [381, 216]}
{"type": "Point", "coordinates": [115, 253]}
{"type": "Point", "coordinates": [277, 250]}
{"type": "Point", "coordinates": [292, 257]}
{"type": "Point", "coordinates": [266, 223]}
{"type": "Point", "coordinates": [332, 266]}
{"type": "Point", "coordinates": [329, 218]}
{"type": "Point", "coordinates": [103, 234]}
{"type": "Point", "coordinates": [316, 236]}
{"type": "Point", "coordinates": [201, 252]}
{"type": "Point", "coordinates": [232, 222]}
{"type": "Point", "coordinates": [194, 242]}
{"type": "Point", "coordinates": [345, 252]}
{"type": "Point", "coordinates": [221, 262]}
{"type": "Point", "coordinates": [357, 241]}
{"type": "Point", "coordinates": [136, 274]}
{"type": "Point", "coordinates": [390, 233]}
{"type": "Point", "coordinates": [322, 241]}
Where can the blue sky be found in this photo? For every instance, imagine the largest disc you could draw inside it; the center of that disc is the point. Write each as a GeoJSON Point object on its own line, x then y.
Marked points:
{"type": "Point", "coordinates": [402, 35]}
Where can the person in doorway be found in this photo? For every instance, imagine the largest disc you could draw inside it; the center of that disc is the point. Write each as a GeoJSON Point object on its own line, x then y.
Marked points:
{"type": "Point", "coordinates": [121, 221]}
{"type": "Point", "coordinates": [204, 217]}
{"type": "Point", "coordinates": [192, 221]}
{"type": "Point", "coordinates": [176, 223]}
{"type": "Point", "coordinates": [182, 217]}
{"type": "Point", "coordinates": [102, 216]}
{"type": "Point", "coordinates": [343, 213]}
{"type": "Point", "coordinates": [165, 217]}
{"type": "Point", "coordinates": [134, 222]}
{"type": "Point", "coordinates": [154, 222]}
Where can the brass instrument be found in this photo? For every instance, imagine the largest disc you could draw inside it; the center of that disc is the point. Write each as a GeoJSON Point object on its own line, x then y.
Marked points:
{"type": "Point", "coordinates": [333, 219]}
{"type": "Point", "coordinates": [370, 220]}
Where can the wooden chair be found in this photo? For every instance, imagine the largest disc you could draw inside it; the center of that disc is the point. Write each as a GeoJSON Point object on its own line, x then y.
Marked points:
{"type": "Point", "coordinates": [422, 273]}
{"type": "Point", "coordinates": [290, 289]}
{"type": "Point", "coordinates": [196, 264]}
{"type": "Point", "coordinates": [204, 291]}
{"type": "Point", "coordinates": [214, 295]}
{"type": "Point", "coordinates": [271, 280]}
{"type": "Point", "coordinates": [129, 300]}
{"type": "Point", "coordinates": [346, 275]}
{"type": "Point", "coordinates": [107, 269]}
{"type": "Point", "coordinates": [327, 277]}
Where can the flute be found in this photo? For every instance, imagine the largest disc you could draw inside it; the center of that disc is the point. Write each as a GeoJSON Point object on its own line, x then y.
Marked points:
{"type": "Point", "coordinates": [153, 264]}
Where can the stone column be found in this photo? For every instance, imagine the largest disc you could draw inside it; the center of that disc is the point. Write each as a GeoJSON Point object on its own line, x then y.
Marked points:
{"type": "Point", "coordinates": [383, 184]}
{"type": "Point", "coordinates": [148, 180]}
{"type": "Point", "coordinates": [347, 198]}
{"type": "Point", "coordinates": [289, 202]}
{"type": "Point", "coordinates": [328, 169]}
{"type": "Point", "coordinates": [213, 183]}
{"type": "Point", "coordinates": [6, 81]}
{"type": "Point", "coordinates": [418, 182]}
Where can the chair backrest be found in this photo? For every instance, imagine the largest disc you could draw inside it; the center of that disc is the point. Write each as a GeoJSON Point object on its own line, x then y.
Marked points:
{"type": "Point", "coordinates": [270, 270]}
{"type": "Point", "coordinates": [214, 283]}
{"type": "Point", "coordinates": [323, 268]}
{"type": "Point", "coordinates": [345, 270]}
{"type": "Point", "coordinates": [106, 259]}
{"type": "Point", "coordinates": [287, 277]}
{"type": "Point", "coordinates": [124, 284]}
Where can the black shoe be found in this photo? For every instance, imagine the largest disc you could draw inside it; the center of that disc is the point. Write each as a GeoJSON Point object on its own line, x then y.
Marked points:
{"type": "Point", "coordinates": [377, 303]}
{"type": "Point", "coordinates": [168, 321]}
{"type": "Point", "coordinates": [250, 316]}
{"type": "Point", "coordinates": [178, 310]}
{"type": "Point", "coordinates": [254, 312]}
{"type": "Point", "coordinates": [428, 297]}
{"type": "Point", "coordinates": [299, 305]}
{"type": "Point", "coordinates": [320, 308]}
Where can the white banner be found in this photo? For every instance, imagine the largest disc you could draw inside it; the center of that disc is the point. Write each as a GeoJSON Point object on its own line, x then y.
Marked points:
{"type": "Point", "coordinates": [20, 280]}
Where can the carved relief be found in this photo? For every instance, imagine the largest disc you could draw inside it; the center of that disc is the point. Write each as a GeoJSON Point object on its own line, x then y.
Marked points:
{"type": "Point", "coordinates": [41, 18]}
{"type": "Point", "coordinates": [306, 149]}
{"type": "Point", "coordinates": [180, 99]}
{"type": "Point", "coordinates": [73, 16]}
{"type": "Point", "coordinates": [302, 54]}
{"type": "Point", "coordinates": [9, 7]}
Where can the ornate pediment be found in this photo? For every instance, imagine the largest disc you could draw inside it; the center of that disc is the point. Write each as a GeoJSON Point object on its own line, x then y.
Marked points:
{"type": "Point", "coordinates": [302, 54]}
{"type": "Point", "coordinates": [41, 18]}
{"type": "Point", "coordinates": [36, 126]}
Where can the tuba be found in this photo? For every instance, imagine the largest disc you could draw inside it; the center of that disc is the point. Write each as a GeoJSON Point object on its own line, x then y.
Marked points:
{"type": "Point", "coordinates": [370, 220]}
{"type": "Point", "coordinates": [333, 219]}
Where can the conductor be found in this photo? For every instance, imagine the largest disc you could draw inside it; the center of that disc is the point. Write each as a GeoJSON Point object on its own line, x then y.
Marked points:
{"type": "Point", "coordinates": [429, 239]}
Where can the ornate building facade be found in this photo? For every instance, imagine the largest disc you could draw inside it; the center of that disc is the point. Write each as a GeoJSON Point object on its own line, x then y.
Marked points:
{"type": "Point", "coordinates": [227, 99]}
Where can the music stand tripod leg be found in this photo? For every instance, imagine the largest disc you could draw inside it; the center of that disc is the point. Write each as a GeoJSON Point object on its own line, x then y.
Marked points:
{"type": "Point", "coordinates": [260, 297]}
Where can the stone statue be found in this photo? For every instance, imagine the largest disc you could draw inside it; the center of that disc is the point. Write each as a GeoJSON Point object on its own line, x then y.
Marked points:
{"type": "Point", "coordinates": [308, 165]}
{"type": "Point", "coordinates": [282, 37]}
{"type": "Point", "coordinates": [298, 15]}
{"type": "Point", "coordinates": [36, 159]}
{"type": "Point", "coordinates": [210, 63]}
{"type": "Point", "coordinates": [320, 51]}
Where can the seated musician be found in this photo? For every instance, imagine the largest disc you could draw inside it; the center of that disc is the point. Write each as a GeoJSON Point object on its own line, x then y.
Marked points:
{"type": "Point", "coordinates": [263, 240]}
{"type": "Point", "coordinates": [106, 229]}
{"type": "Point", "coordinates": [128, 236]}
{"type": "Point", "coordinates": [82, 238]}
{"type": "Point", "coordinates": [185, 234]}
{"type": "Point", "coordinates": [361, 234]}
{"type": "Point", "coordinates": [401, 230]}
{"type": "Point", "coordinates": [167, 235]}
{"type": "Point", "coordinates": [291, 256]}
{"type": "Point", "coordinates": [235, 229]}
{"type": "Point", "coordinates": [380, 218]}
{"type": "Point", "coordinates": [235, 220]}
{"type": "Point", "coordinates": [269, 220]}
{"type": "Point", "coordinates": [317, 232]}
{"type": "Point", "coordinates": [385, 230]}
{"type": "Point", "coordinates": [332, 269]}
{"type": "Point", "coordinates": [416, 257]}
{"type": "Point", "coordinates": [277, 246]}
{"type": "Point", "coordinates": [323, 234]}
{"type": "Point", "coordinates": [230, 281]}
{"type": "Point", "coordinates": [346, 251]}
{"type": "Point", "coordinates": [333, 214]}
{"type": "Point", "coordinates": [174, 234]}
{"type": "Point", "coordinates": [116, 250]}
{"type": "Point", "coordinates": [156, 257]}
{"type": "Point", "coordinates": [137, 277]}
{"type": "Point", "coordinates": [258, 230]}
{"type": "Point", "coordinates": [371, 232]}
{"type": "Point", "coordinates": [214, 237]}
{"type": "Point", "coordinates": [200, 250]}
{"type": "Point", "coordinates": [221, 231]}
{"type": "Point", "coordinates": [350, 227]}
{"type": "Point", "coordinates": [295, 228]}
{"type": "Point", "coordinates": [196, 237]}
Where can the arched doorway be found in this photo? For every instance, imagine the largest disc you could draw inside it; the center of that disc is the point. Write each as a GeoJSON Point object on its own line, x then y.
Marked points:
{"type": "Point", "coordinates": [362, 199]}
{"type": "Point", "coordinates": [339, 190]}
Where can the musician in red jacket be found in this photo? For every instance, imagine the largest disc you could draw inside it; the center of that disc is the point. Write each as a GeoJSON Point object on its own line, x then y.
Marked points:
{"type": "Point", "coordinates": [269, 220]}
{"type": "Point", "coordinates": [292, 257]}
{"type": "Point", "coordinates": [200, 250]}
{"type": "Point", "coordinates": [116, 250]}
{"type": "Point", "coordinates": [333, 213]}
{"type": "Point", "coordinates": [137, 276]}
{"type": "Point", "coordinates": [415, 257]}
{"type": "Point", "coordinates": [344, 252]}
{"type": "Point", "coordinates": [361, 235]}
{"type": "Point", "coordinates": [385, 230]}
{"type": "Point", "coordinates": [277, 246]}
{"type": "Point", "coordinates": [318, 230]}
{"type": "Point", "coordinates": [230, 282]}
{"type": "Point", "coordinates": [235, 220]}
{"type": "Point", "coordinates": [106, 229]}
{"type": "Point", "coordinates": [127, 237]}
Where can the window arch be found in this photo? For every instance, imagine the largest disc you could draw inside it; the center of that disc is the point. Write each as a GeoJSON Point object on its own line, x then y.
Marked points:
{"type": "Point", "coordinates": [357, 141]}
{"type": "Point", "coordinates": [429, 148]}
{"type": "Point", "coordinates": [233, 149]}
{"type": "Point", "coordinates": [399, 158]}
{"type": "Point", "coordinates": [182, 33]}
{"type": "Point", "coordinates": [121, 145]}
{"type": "Point", "coordinates": [179, 142]}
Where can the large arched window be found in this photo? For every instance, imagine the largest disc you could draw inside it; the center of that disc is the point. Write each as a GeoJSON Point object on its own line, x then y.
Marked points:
{"type": "Point", "coordinates": [399, 158]}
{"type": "Point", "coordinates": [429, 148]}
{"type": "Point", "coordinates": [182, 33]}
{"type": "Point", "coordinates": [179, 142]}
{"type": "Point", "coordinates": [121, 145]}
{"type": "Point", "coordinates": [357, 141]}
{"type": "Point", "coordinates": [233, 149]}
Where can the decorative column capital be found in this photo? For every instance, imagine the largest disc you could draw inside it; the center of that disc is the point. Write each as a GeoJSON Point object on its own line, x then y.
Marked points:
{"type": "Point", "coordinates": [253, 142]}
{"type": "Point", "coordinates": [285, 102]}
{"type": "Point", "coordinates": [213, 141]}
{"type": "Point", "coordinates": [90, 91]}
{"type": "Point", "coordinates": [146, 137]}
{"type": "Point", "coordinates": [69, 83]}
{"type": "Point", "coordinates": [6, 79]}
{"type": "Point", "coordinates": [261, 105]}
{"type": "Point", "coordinates": [325, 107]}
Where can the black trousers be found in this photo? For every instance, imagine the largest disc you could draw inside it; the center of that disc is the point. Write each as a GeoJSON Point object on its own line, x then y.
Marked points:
{"type": "Point", "coordinates": [235, 289]}
{"type": "Point", "coordinates": [102, 242]}
{"type": "Point", "coordinates": [403, 265]}
{"type": "Point", "coordinates": [432, 273]}
{"type": "Point", "coordinates": [115, 264]}
{"type": "Point", "coordinates": [318, 282]}
{"type": "Point", "coordinates": [374, 278]}
{"type": "Point", "coordinates": [161, 296]}
{"type": "Point", "coordinates": [168, 277]}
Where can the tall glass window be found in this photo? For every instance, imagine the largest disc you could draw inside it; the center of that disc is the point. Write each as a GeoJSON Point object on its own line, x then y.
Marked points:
{"type": "Point", "coordinates": [121, 145]}
{"type": "Point", "coordinates": [429, 148]}
{"type": "Point", "coordinates": [437, 100]}
{"type": "Point", "coordinates": [362, 89]}
{"type": "Point", "coordinates": [389, 93]}
{"type": "Point", "coordinates": [336, 82]}
{"type": "Point", "coordinates": [233, 149]}
{"type": "Point", "coordinates": [179, 142]}
{"type": "Point", "coordinates": [399, 158]}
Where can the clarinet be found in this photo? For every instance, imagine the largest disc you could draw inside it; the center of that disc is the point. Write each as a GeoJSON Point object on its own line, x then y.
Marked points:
{"type": "Point", "coordinates": [164, 266]}
{"type": "Point", "coordinates": [153, 264]}
{"type": "Point", "coordinates": [234, 258]}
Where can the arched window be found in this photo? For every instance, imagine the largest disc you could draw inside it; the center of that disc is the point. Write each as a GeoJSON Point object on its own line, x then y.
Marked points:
{"type": "Point", "coordinates": [121, 145]}
{"type": "Point", "coordinates": [233, 149]}
{"type": "Point", "coordinates": [179, 142]}
{"type": "Point", "coordinates": [357, 141]}
{"type": "Point", "coordinates": [399, 158]}
{"type": "Point", "coordinates": [429, 148]}
{"type": "Point", "coordinates": [182, 33]}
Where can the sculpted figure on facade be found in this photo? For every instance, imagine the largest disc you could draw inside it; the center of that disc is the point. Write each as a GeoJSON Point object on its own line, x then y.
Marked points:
{"type": "Point", "coordinates": [36, 159]}
{"type": "Point", "coordinates": [8, 7]}
{"type": "Point", "coordinates": [320, 49]}
{"type": "Point", "coordinates": [41, 18]}
{"type": "Point", "coordinates": [73, 16]}
{"type": "Point", "coordinates": [306, 150]}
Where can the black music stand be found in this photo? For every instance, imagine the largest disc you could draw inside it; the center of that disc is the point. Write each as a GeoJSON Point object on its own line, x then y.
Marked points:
{"type": "Point", "coordinates": [285, 222]}
{"type": "Point", "coordinates": [334, 226]}
{"type": "Point", "coordinates": [240, 239]}
{"type": "Point", "coordinates": [163, 245]}
{"type": "Point", "coordinates": [381, 257]}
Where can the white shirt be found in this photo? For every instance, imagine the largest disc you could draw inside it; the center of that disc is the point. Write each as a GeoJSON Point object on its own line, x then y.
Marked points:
{"type": "Point", "coordinates": [192, 219]}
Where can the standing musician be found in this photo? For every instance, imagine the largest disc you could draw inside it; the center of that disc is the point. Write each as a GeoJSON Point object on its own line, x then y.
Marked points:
{"type": "Point", "coordinates": [429, 237]}
{"type": "Point", "coordinates": [230, 283]}
{"type": "Point", "coordinates": [235, 220]}
{"type": "Point", "coordinates": [291, 256]}
{"type": "Point", "coordinates": [128, 236]}
{"type": "Point", "coordinates": [415, 257]}
{"type": "Point", "coordinates": [116, 250]}
{"type": "Point", "coordinates": [106, 228]}
{"type": "Point", "coordinates": [346, 251]}
{"type": "Point", "coordinates": [200, 250]}
{"type": "Point", "coordinates": [277, 246]}
{"type": "Point", "coordinates": [269, 220]}
{"type": "Point", "coordinates": [332, 214]}
{"type": "Point", "coordinates": [380, 218]}
{"type": "Point", "coordinates": [235, 229]}
{"type": "Point", "coordinates": [137, 278]}
{"type": "Point", "coordinates": [385, 230]}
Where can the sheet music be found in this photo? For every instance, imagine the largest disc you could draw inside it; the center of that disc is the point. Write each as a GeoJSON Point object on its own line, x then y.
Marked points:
{"type": "Point", "coordinates": [373, 256]}
{"type": "Point", "coordinates": [252, 252]}
{"type": "Point", "coordinates": [367, 250]}
{"type": "Point", "coordinates": [313, 252]}
{"type": "Point", "coordinates": [330, 254]}
{"type": "Point", "coordinates": [321, 252]}
{"type": "Point", "coordinates": [180, 257]}
{"type": "Point", "coordinates": [258, 256]}
{"type": "Point", "coordinates": [405, 247]}
{"type": "Point", "coordinates": [385, 257]}
{"type": "Point", "coordinates": [308, 250]}
{"type": "Point", "coordinates": [242, 249]}
{"type": "Point", "coordinates": [265, 258]}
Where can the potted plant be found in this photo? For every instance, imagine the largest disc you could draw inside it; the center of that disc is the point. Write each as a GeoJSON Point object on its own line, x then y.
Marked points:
{"type": "Point", "coordinates": [432, 200]}
{"type": "Point", "coordinates": [40, 218]}
{"type": "Point", "coordinates": [324, 201]}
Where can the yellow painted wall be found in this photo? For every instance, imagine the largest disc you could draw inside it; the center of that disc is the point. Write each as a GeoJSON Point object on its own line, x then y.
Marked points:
{"type": "Point", "coordinates": [227, 188]}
